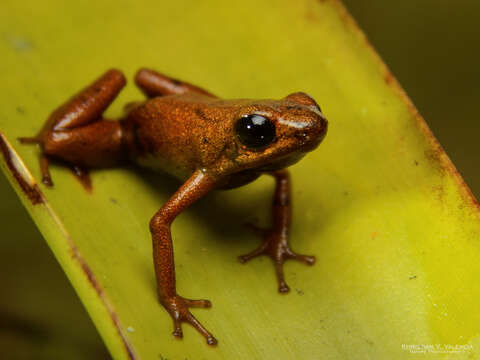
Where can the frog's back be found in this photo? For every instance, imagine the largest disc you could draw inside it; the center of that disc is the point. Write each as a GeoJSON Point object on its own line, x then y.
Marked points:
{"type": "Point", "coordinates": [175, 134]}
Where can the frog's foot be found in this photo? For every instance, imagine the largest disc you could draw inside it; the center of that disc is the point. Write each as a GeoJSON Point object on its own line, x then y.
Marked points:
{"type": "Point", "coordinates": [80, 172]}
{"type": "Point", "coordinates": [44, 161]}
{"type": "Point", "coordinates": [276, 246]}
{"type": "Point", "coordinates": [177, 307]}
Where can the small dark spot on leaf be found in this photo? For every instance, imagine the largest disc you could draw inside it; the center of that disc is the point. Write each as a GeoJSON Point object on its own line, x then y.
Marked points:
{"type": "Point", "coordinates": [20, 44]}
{"type": "Point", "coordinates": [388, 77]}
{"type": "Point", "coordinates": [204, 140]}
{"type": "Point", "coordinates": [345, 193]}
{"type": "Point", "coordinates": [20, 110]}
{"type": "Point", "coordinates": [299, 292]}
{"type": "Point", "coordinates": [416, 163]}
{"type": "Point", "coordinates": [113, 200]}
{"type": "Point", "coordinates": [412, 277]}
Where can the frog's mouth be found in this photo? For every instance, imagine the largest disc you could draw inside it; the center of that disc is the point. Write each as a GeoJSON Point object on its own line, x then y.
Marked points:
{"type": "Point", "coordinates": [283, 162]}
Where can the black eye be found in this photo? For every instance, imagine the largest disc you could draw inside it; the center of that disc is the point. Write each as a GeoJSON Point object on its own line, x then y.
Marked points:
{"type": "Point", "coordinates": [255, 131]}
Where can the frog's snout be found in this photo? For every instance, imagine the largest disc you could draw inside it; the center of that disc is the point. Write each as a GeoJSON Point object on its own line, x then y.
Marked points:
{"type": "Point", "coordinates": [312, 135]}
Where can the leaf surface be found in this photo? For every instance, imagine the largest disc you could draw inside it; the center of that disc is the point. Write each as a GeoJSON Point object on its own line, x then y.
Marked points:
{"type": "Point", "coordinates": [392, 224]}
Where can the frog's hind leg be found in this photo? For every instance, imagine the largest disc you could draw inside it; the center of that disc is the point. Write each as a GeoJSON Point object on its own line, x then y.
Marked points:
{"type": "Point", "coordinates": [76, 132]}
{"type": "Point", "coordinates": [155, 84]}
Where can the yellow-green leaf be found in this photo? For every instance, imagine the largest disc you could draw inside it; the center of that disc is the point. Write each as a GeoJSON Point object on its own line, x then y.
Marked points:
{"type": "Point", "coordinates": [393, 226]}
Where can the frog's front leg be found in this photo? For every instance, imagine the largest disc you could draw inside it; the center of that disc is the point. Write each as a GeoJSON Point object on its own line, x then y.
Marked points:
{"type": "Point", "coordinates": [153, 84]}
{"type": "Point", "coordinates": [199, 184]}
{"type": "Point", "coordinates": [275, 243]}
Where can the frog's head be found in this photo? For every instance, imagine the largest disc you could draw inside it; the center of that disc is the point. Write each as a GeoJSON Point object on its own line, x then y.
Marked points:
{"type": "Point", "coordinates": [273, 134]}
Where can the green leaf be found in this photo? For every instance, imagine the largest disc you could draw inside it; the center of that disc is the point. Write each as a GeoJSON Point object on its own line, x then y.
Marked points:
{"type": "Point", "coordinates": [38, 305]}
{"type": "Point", "coordinates": [393, 226]}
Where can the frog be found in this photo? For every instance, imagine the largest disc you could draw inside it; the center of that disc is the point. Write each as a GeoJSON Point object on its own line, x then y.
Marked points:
{"type": "Point", "coordinates": [206, 142]}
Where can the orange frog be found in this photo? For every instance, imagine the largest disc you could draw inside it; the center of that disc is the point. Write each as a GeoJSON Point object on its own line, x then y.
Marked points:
{"type": "Point", "coordinates": [206, 142]}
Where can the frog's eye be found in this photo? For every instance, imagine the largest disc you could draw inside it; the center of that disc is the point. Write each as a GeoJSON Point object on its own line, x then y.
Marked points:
{"type": "Point", "coordinates": [255, 131]}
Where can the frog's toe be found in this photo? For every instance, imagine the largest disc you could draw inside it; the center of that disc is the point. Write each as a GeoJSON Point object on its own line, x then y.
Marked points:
{"type": "Point", "coordinates": [198, 303]}
{"type": "Point", "coordinates": [276, 247]}
{"type": "Point", "coordinates": [30, 140]}
{"type": "Point", "coordinates": [178, 308]}
{"type": "Point", "coordinates": [44, 161]}
{"type": "Point", "coordinates": [177, 331]}
{"type": "Point", "coordinates": [307, 259]}
{"type": "Point", "coordinates": [261, 250]}
{"type": "Point", "coordinates": [256, 229]}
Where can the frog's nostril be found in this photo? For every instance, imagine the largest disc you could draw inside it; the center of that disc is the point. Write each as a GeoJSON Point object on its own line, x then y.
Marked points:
{"type": "Point", "coordinates": [304, 137]}
{"type": "Point", "coordinates": [311, 136]}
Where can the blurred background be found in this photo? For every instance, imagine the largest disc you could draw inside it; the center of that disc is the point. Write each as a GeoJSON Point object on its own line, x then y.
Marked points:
{"type": "Point", "coordinates": [431, 46]}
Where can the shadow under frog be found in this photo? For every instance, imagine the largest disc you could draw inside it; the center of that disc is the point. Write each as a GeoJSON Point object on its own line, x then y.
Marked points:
{"type": "Point", "coordinates": [206, 142]}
